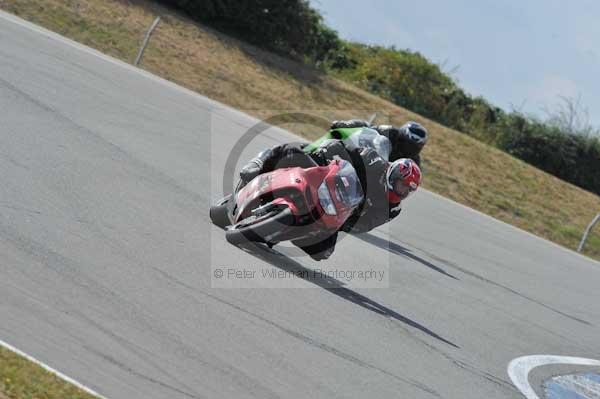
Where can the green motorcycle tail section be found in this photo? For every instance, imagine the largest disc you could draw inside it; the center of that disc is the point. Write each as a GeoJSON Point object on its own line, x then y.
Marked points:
{"type": "Point", "coordinates": [337, 134]}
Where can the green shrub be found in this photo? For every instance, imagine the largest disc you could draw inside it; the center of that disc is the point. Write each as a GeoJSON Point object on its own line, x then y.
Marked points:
{"type": "Point", "coordinates": [290, 27]}
{"type": "Point", "coordinates": [406, 78]}
{"type": "Point", "coordinates": [572, 157]}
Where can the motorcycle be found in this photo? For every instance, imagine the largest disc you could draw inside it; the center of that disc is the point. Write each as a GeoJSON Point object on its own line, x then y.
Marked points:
{"type": "Point", "coordinates": [295, 204]}
{"type": "Point", "coordinates": [364, 137]}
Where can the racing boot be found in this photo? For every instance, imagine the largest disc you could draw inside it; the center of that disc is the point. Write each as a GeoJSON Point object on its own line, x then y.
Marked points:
{"type": "Point", "coordinates": [255, 167]}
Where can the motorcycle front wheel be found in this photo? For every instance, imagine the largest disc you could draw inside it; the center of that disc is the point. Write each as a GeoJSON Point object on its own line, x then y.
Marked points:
{"type": "Point", "coordinates": [263, 228]}
{"type": "Point", "coordinates": [219, 212]}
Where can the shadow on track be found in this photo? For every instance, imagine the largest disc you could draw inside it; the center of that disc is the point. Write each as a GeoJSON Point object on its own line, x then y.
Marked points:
{"type": "Point", "coordinates": [334, 286]}
{"type": "Point", "coordinates": [400, 250]}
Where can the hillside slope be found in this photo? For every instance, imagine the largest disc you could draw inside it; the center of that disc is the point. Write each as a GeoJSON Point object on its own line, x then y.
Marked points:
{"type": "Point", "coordinates": [259, 82]}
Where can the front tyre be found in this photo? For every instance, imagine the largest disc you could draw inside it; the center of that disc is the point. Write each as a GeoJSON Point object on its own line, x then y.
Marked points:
{"type": "Point", "coordinates": [219, 213]}
{"type": "Point", "coordinates": [264, 228]}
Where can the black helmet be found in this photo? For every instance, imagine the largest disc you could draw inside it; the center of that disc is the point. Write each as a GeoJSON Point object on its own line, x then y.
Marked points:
{"type": "Point", "coordinates": [415, 132]}
{"type": "Point", "coordinates": [407, 141]}
{"type": "Point", "coordinates": [411, 139]}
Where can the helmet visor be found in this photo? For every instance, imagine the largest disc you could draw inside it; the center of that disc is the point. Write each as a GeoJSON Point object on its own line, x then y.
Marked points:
{"type": "Point", "coordinates": [402, 189]}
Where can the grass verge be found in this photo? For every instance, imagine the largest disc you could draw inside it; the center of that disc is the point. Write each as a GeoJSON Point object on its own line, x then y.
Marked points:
{"type": "Point", "coordinates": [22, 379]}
{"type": "Point", "coordinates": [245, 77]}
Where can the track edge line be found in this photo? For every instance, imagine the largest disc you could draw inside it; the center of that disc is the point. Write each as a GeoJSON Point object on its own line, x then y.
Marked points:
{"type": "Point", "coordinates": [51, 370]}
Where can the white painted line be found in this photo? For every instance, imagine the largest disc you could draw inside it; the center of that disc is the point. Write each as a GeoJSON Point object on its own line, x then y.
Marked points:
{"type": "Point", "coordinates": [51, 370]}
{"type": "Point", "coordinates": [519, 369]}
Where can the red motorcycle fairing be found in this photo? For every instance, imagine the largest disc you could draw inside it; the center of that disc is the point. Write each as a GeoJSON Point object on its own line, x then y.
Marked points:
{"type": "Point", "coordinates": [343, 212]}
{"type": "Point", "coordinates": [292, 204]}
{"type": "Point", "coordinates": [285, 186]}
{"type": "Point", "coordinates": [295, 188]}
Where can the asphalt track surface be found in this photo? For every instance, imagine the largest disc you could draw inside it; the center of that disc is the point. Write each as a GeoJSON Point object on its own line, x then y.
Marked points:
{"type": "Point", "coordinates": [106, 251]}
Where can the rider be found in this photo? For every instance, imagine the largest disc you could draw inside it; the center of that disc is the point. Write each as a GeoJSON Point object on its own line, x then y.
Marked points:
{"type": "Point", "coordinates": [385, 184]}
{"type": "Point", "coordinates": [407, 140]}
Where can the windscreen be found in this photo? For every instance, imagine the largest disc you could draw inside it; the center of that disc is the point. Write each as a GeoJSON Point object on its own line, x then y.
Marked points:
{"type": "Point", "coordinates": [347, 186]}
{"type": "Point", "coordinates": [369, 138]}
